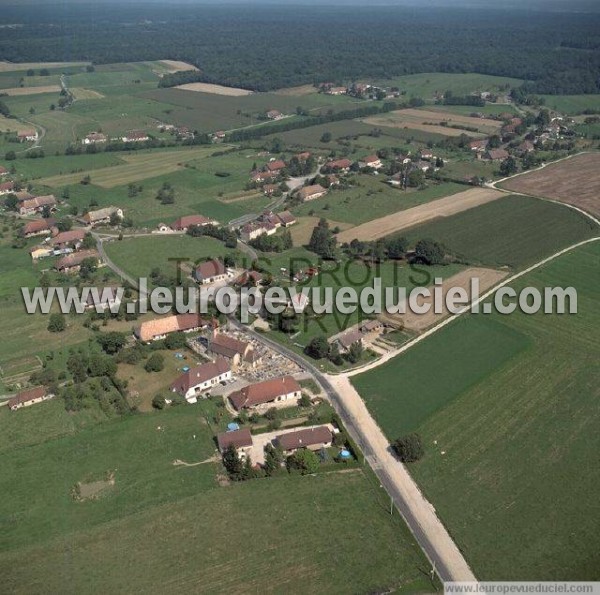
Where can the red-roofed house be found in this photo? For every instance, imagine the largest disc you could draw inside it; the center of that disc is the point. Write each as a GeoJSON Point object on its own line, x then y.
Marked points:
{"type": "Point", "coordinates": [39, 227]}
{"type": "Point", "coordinates": [29, 397]}
{"type": "Point", "coordinates": [68, 238]}
{"type": "Point", "coordinates": [241, 440]}
{"type": "Point", "coordinates": [311, 438]}
{"type": "Point", "coordinates": [135, 136]}
{"type": "Point", "coordinates": [283, 391]}
{"type": "Point", "coordinates": [159, 328]}
{"type": "Point", "coordinates": [497, 154]}
{"type": "Point", "coordinates": [187, 221]}
{"type": "Point", "coordinates": [200, 378]}
{"type": "Point", "coordinates": [371, 161]}
{"type": "Point", "coordinates": [37, 204]}
{"type": "Point", "coordinates": [340, 165]}
{"type": "Point", "coordinates": [276, 166]}
{"type": "Point", "coordinates": [210, 271]}
{"type": "Point", "coordinates": [6, 187]}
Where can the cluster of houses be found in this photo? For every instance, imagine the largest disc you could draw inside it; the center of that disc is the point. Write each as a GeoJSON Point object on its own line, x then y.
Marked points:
{"type": "Point", "coordinates": [360, 333]}
{"type": "Point", "coordinates": [359, 90]}
{"type": "Point", "coordinates": [267, 224]}
{"type": "Point", "coordinates": [181, 132]}
{"type": "Point", "coordinates": [98, 138]}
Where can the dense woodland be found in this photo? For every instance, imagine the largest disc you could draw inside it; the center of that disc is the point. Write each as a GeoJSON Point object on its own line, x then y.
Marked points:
{"type": "Point", "coordinates": [263, 48]}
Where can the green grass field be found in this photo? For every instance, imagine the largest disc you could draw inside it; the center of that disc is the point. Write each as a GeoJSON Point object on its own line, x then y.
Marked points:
{"type": "Point", "coordinates": [572, 104]}
{"type": "Point", "coordinates": [138, 256]}
{"type": "Point", "coordinates": [514, 231]}
{"type": "Point", "coordinates": [372, 198]}
{"type": "Point", "coordinates": [162, 527]}
{"type": "Point", "coordinates": [515, 412]}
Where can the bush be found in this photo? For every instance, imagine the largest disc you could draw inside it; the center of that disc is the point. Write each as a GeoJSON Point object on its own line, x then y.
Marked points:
{"type": "Point", "coordinates": [409, 448]}
{"type": "Point", "coordinates": [57, 323]}
{"type": "Point", "coordinates": [155, 363]}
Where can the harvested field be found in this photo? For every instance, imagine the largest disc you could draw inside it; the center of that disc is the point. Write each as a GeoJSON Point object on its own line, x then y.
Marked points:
{"type": "Point", "coordinates": [138, 168]}
{"type": "Point", "coordinates": [574, 181]}
{"type": "Point", "coordinates": [419, 322]}
{"type": "Point", "coordinates": [19, 91]}
{"type": "Point", "coordinates": [303, 229]}
{"type": "Point", "coordinates": [444, 207]}
{"type": "Point", "coordinates": [15, 67]}
{"type": "Point", "coordinates": [80, 93]}
{"type": "Point", "coordinates": [214, 89]}
{"type": "Point", "coordinates": [297, 91]}
{"type": "Point", "coordinates": [177, 65]}
{"type": "Point", "coordinates": [431, 121]}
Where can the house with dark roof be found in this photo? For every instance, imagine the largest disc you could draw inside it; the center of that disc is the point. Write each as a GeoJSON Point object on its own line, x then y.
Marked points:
{"type": "Point", "coordinates": [277, 392]}
{"type": "Point", "coordinates": [241, 440]}
{"type": "Point", "coordinates": [37, 204]}
{"type": "Point", "coordinates": [497, 154]}
{"type": "Point", "coordinates": [29, 397]}
{"type": "Point", "coordinates": [39, 227]}
{"type": "Point", "coordinates": [200, 378]}
{"type": "Point", "coordinates": [311, 192]}
{"type": "Point", "coordinates": [72, 262]}
{"type": "Point", "coordinates": [187, 221]}
{"type": "Point", "coordinates": [235, 351]}
{"type": "Point", "coordinates": [312, 438]}
{"type": "Point", "coordinates": [72, 238]}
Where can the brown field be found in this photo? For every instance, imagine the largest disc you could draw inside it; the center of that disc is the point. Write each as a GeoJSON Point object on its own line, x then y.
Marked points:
{"type": "Point", "coordinates": [214, 89]}
{"type": "Point", "coordinates": [303, 229]}
{"type": "Point", "coordinates": [17, 91]}
{"type": "Point", "coordinates": [296, 91]}
{"type": "Point", "coordinates": [13, 67]}
{"type": "Point", "coordinates": [574, 181]}
{"type": "Point", "coordinates": [444, 207]}
{"type": "Point", "coordinates": [419, 322]}
{"type": "Point", "coordinates": [177, 65]}
{"type": "Point", "coordinates": [429, 121]}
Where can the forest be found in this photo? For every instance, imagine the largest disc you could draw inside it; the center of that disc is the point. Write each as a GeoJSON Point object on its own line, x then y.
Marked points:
{"type": "Point", "coordinates": [264, 48]}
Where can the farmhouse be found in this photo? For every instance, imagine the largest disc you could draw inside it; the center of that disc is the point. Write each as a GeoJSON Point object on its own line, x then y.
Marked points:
{"type": "Point", "coordinates": [39, 227]}
{"type": "Point", "coordinates": [72, 262]}
{"type": "Point", "coordinates": [286, 218]}
{"type": "Point", "coordinates": [263, 176]}
{"type": "Point", "coordinates": [210, 271]}
{"type": "Point", "coordinates": [339, 165]}
{"type": "Point", "coordinates": [200, 378]}
{"type": "Point", "coordinates": [101, 216]}
{"type": "Point", "coordinates": [283, 391]}
{"type": "Point", "coordinates": [29, 397]}
{"type": "Point", "coordinates": [249, 278]}
{"type": "Point", "coordinates": [135, 136]}
{"type": "Point", "coordinates": [71, 238]}
{"type": "Point", "coordinates": [304, 156]}
{"type": "Point", "coordinates": [336, 91]}
{"type": "Point", "coordinates": [347, 339]}
{"type": "Point", "coordinates": [479, 146]}
{"type": "Point", "coordinates": [94, 138]}
{"type": "Point", "coordinates": [159, 328]}
{"type": "Point", "coordinates": [276, 166]}
{"type": "Point", "coordinates": [269, 189]}
{"type": "Point", "coordinates": [232, 349]}
{"type": "Point", "coordinates": [6, 187]}
{"type": "Point", "coordinates": [497, 154]}
{"type": "Point", "coordinates": [27, 136]}
{"type": "Point", "coordinates": [37, 204]}
{"type": "Point", "coordinates": [255, 229]}
{"type": "Point", "coordinates": [371, 161]}
{"type": "Point", "coordinates": [274, 114]}
{"type": "Point", "coordinates": [187, 221]}
{"type": "Point", "coordinates": [311, 192]}
{"type": "Point", "coordinates": [37, 252]}
{"type": "Point", "coordinates": [311, 438]}
{"type": "Point", "coordinates": [426, 154]}
{"type": "Point", "coordinates": [241, 440]}
{"type": "Point", "coordinates": [526, 146]}
{"type": "Point", "coordinates": [3, 171]}
{"type": "Point", "coordinates": [107, 298]}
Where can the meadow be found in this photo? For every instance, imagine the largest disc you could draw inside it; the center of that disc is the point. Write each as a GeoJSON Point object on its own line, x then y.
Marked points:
{"type": "Point", "coordinates": [514, 231]}
{"type": "Point", "coordinates": [572, 104]}
{"type": "Point", "coordinates": [510, 424]}
{"type": "Point", "coordinates": [335, 526]}
{"type": "Point", "coordinates": [372, 198]}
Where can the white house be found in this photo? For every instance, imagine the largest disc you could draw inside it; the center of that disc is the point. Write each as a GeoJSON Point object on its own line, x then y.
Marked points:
{"type": "Point", "coordinates": [199, 379]}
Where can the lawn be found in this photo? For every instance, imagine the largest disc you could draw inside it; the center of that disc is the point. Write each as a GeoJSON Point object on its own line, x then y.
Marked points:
{"type": "Point", "coordinates": [514, 231]}
{"type": "Point", "coordinates": [572, 104]}
{"type": "Point", "coordinates": [334, 527]}
{"type": "Point", "coordinates": [371, 198]}
{"type": "Point", "coordinates": [138, 256]}
{"type": "Point", "coordinates": [511, 426]}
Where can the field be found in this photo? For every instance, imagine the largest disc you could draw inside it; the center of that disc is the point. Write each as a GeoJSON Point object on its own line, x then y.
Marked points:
{"type": "Point", "coordinates": [24, 66]}
{"type": "Point", "coordinates": [15, 91]}
{"type": "Point", "coordinates": [427, 85]}
{"type": "Point", "coordinates": [444, 123]}
{"type": "Point", "coordinates": [443, 207]}
{"type": "Point", "coordinates": [335, 526]}
{"type": "Point", "coordinates": [574, 181]}
{"type": "Point", "coordinates": [370, 198]}
{"type": "Point", "coordinates": [572, 104]}
{"type": "Point", "coordinates": [514, 231]}
{"type": "Point", "coordinates": [215, 89]}
{"type": "Point", "coordinates": [139, 166]}
{"type": "Point", "coordinates": [511, 427]}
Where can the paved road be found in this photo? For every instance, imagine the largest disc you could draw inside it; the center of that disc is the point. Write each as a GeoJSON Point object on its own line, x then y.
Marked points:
{"type": "Point", "coordinates": [125, 276]}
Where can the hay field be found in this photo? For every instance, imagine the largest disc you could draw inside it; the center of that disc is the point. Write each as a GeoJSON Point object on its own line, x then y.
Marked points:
{"type": "Point", "coordinates": [16, 67]}
{"type": "Point", "coordinates": [574, 181]}
{"type": "Point", "coordinates": [19, 91]}
{"type": "Point", "coordinates": [137, 168]}
{"type": "Point", "coordinates": [214, 89]}
{"type": "Point", "coordinates": [431, 121]}
{"type": "Point", "coordinates": [443, 207]}
{"type": "Point", "coordinates": [80, 93]}
{"type": "Point", "coordinates": [177, 65]}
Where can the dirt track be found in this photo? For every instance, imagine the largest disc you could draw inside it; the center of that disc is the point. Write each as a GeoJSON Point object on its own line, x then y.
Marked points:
{"type": "Point", "coordinates": [419, 322]}
{"type": "Point", "coordinates": [574, 181]}
{"type": "Point", "coordinates": [443, 207]}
